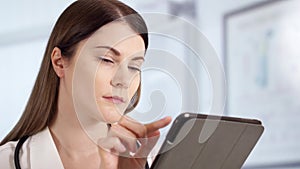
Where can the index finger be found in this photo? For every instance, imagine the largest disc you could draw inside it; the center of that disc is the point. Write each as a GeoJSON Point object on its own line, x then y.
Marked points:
{"type": "Point", "coordinates": [142, 130]}
{"type": "Point", "coordinates": [154, 126]}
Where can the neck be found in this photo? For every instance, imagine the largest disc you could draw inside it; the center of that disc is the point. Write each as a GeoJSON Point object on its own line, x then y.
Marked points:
{"type": "Point", "coordinates": [73, 136]}
{"type": "Point", "coordinates": [68, 134]}
{"type": "Point", "coordinates": [69, 137]}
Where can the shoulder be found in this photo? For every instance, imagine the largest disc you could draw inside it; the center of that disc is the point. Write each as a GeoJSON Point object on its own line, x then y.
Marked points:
{"type": "Point", "coordinates": [7, 154]}
{"type": "Point", "coordinates": [8, 146]}
{"type": "Point", "coordinates": [38, 151]}
{"type": "Point", "coordinates": [33, 154]}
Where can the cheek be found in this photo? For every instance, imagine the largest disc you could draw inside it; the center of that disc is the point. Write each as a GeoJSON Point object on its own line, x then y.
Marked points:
{"type": "Point", "coordinates": [102, 81]}
{"type": "Point", "coordinates": [134, 85]}
{"type": "Point", "coordinates": [102, 87]}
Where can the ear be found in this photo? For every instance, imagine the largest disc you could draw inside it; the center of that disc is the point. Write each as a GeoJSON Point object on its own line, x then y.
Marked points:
{"type": "Point", "coordinates": [58, 62]}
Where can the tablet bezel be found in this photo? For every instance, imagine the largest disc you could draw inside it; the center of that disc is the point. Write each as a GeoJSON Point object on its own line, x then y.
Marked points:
{"type": "Point", "coordinates": [185, 117]}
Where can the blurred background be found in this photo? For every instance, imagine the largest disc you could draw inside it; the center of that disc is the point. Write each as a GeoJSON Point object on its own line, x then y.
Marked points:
{"type": "Point", "coordinates": [256, 41]}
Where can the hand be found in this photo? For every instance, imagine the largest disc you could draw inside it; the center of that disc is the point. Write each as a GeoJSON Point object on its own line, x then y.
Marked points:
{"type": "Point", "coordinates": [119, 149]}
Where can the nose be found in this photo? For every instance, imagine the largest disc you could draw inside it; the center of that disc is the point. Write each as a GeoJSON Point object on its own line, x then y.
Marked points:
{"type": "Point", "coordinates": [121, 78]}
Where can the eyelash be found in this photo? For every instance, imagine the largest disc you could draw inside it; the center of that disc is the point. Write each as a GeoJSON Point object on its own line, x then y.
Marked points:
{"type": "Point", "coordinates": [105, 60]}
{"type": "Point", "coordinates": [134, 68]}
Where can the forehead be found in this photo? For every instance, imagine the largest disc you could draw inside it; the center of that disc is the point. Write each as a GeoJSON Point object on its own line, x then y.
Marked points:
{"type": "Point", "coordinates": [117, 35]}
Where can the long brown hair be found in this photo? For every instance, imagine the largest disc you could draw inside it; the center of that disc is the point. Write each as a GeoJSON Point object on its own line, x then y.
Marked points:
{"type": "Point", "coordinates": [79, 21]}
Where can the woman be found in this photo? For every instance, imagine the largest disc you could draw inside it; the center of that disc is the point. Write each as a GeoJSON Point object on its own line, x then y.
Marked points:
{"type": "Point", "coordinates": [102, 40]}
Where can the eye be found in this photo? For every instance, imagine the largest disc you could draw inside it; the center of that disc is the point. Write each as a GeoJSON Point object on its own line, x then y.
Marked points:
{"type": "Point", "coordinates": [135, 68]}
{"type": "Point", "coordinates": [105, 60]}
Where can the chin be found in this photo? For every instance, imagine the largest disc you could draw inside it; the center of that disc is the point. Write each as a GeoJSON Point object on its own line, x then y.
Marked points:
{"type": "Point", "coordinates": [111, 114]}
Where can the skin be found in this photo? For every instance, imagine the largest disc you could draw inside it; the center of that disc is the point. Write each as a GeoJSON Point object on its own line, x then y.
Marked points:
{"type": "Point", "coordinates": [116, 74]}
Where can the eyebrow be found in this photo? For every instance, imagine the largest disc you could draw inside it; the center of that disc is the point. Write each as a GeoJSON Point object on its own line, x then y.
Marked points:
{"type": "Point", "coordinates": [115, 51]}
{"type": "Point", "coordinates": [138, 58]}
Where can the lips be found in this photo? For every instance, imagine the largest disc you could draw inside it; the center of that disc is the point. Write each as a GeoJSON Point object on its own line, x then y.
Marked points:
{"type": "Point", "coordinates": [114, 99]}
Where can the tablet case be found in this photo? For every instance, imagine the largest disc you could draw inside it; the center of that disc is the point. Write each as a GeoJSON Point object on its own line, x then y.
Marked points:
{"type": "Point", "coordinates": [197, 141]}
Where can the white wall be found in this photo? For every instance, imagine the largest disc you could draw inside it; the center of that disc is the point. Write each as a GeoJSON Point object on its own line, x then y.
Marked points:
{"type": "Point", "coordinates": [277, 145]}
{"type": "Point", "coordinates": [210, 16]}
{"type": "Point", "coordinates": [25, 28]}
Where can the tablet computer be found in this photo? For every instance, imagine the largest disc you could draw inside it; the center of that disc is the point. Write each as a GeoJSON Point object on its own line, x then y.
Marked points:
{"type": "Point", "coordinates": [208, 142]}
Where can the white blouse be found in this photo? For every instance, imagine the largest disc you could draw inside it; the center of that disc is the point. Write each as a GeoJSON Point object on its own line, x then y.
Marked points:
{"type": "Point", "coordinates": [37, 152]}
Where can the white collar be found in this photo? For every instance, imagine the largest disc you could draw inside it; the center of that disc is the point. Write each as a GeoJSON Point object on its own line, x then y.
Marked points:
{"type": "Point", "coordinates": [43, 153]}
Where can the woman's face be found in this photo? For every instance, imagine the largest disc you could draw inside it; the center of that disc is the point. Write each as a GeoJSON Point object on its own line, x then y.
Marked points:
{"type": "Point", "coordinates": [107, 71]}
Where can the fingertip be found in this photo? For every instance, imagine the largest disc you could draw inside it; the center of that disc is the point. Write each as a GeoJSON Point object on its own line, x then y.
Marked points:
{"type": "Point", "coordinates": [168, 119]}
